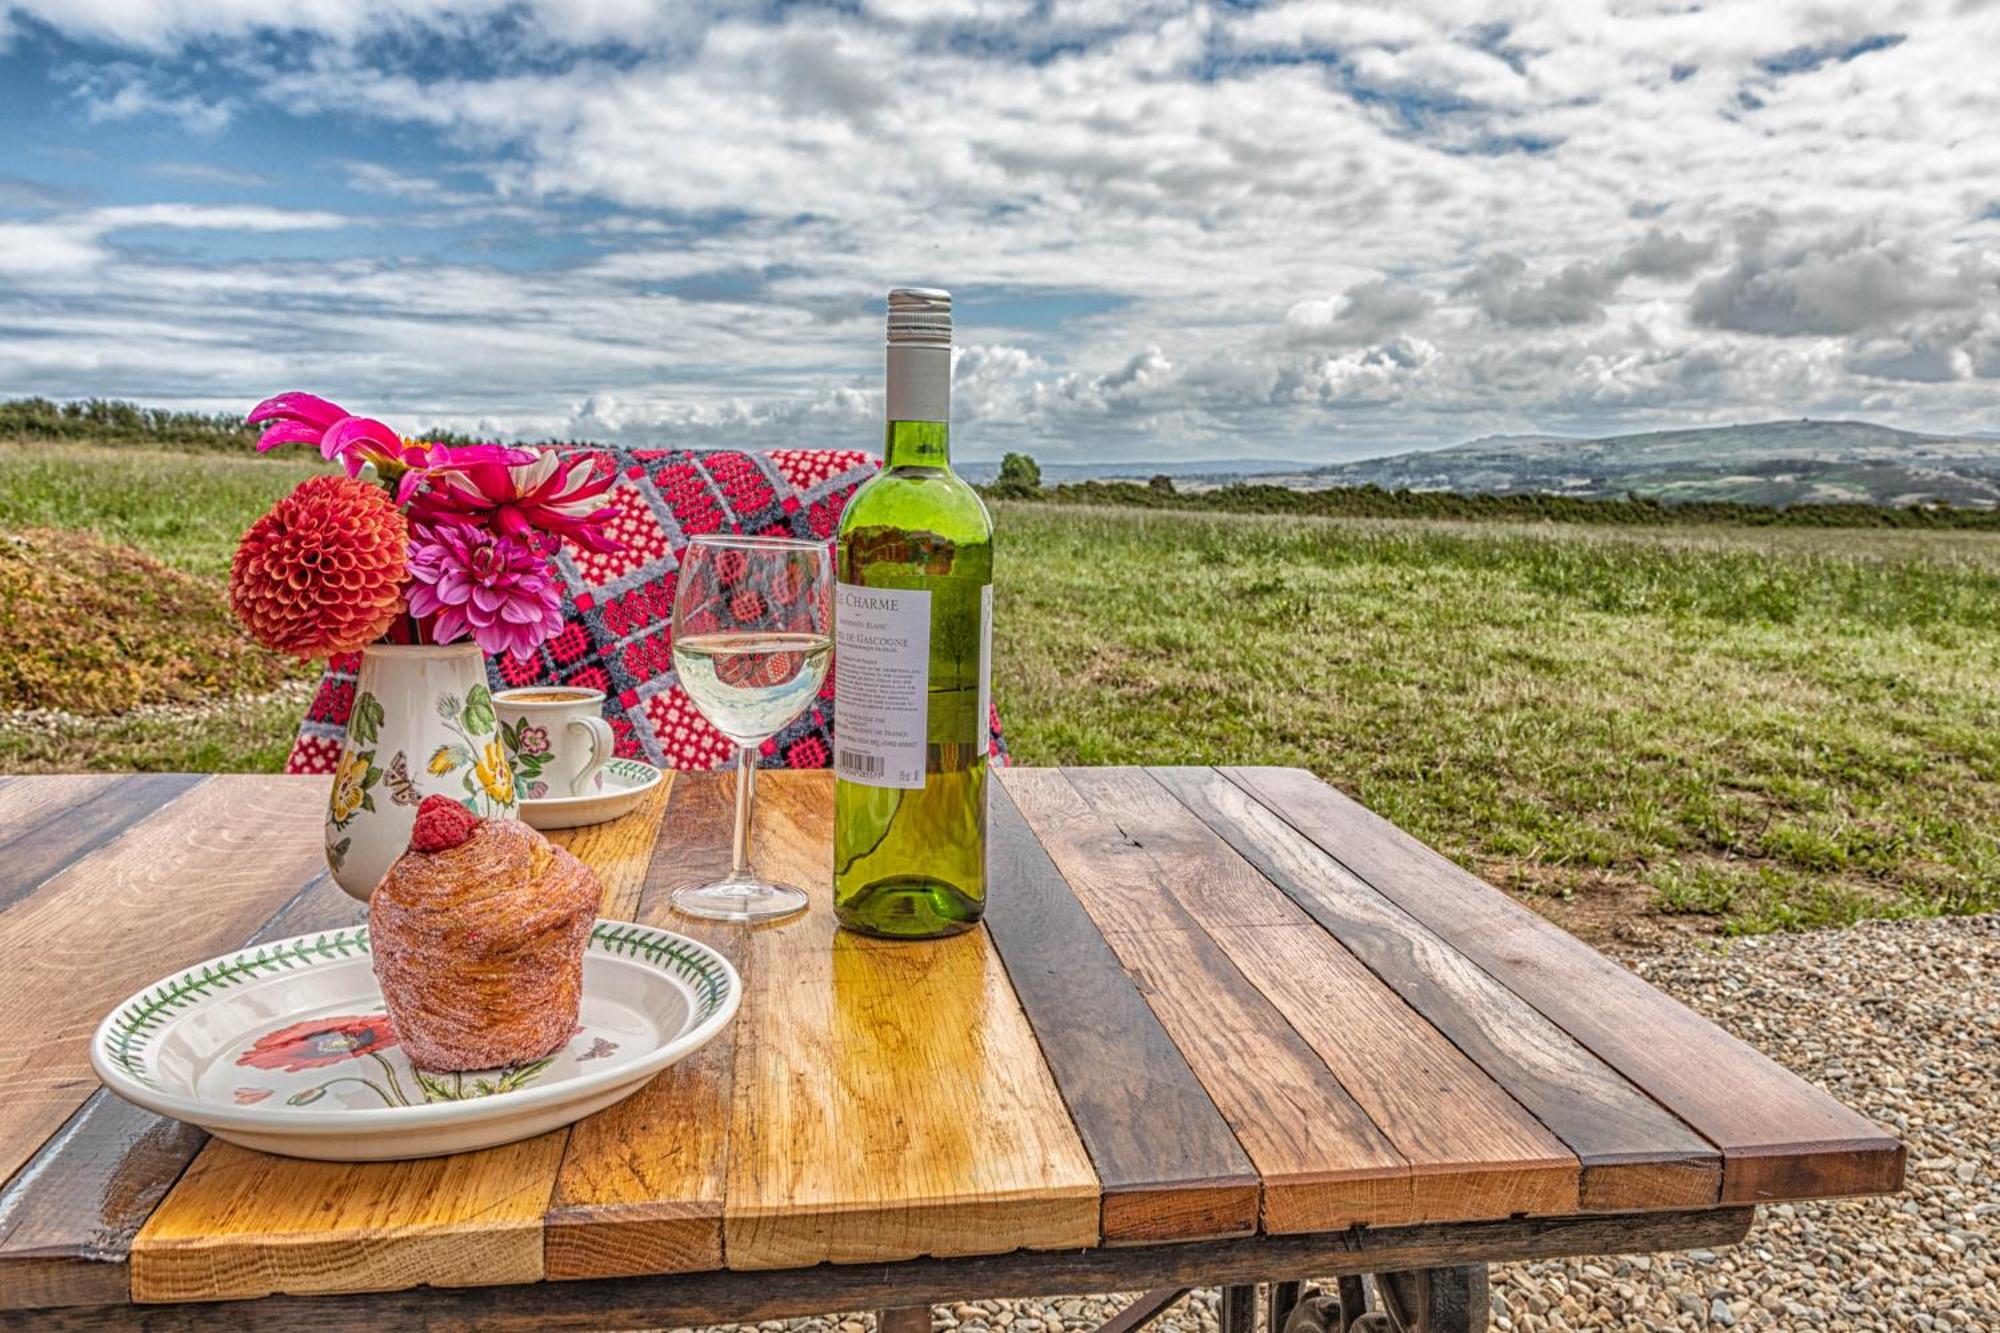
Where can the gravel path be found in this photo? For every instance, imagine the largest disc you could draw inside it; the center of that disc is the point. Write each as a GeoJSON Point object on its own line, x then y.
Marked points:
{"type": "Point", "coordinates": [1900, 1020]}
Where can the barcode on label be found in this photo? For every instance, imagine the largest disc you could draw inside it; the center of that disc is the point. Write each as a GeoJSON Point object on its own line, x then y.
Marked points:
{"type": "Point", "coordinates": [861, 765]}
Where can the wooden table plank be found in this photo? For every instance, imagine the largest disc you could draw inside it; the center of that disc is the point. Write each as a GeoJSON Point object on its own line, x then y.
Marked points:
{"type": "Point", "coordinates": [189, 882]}
{"type": "Point", "coordinates": [68, 1219]}
{"type": "Point", "coordinates": [620, 851]}
{"type": "Point", "coordinates": [242, 1223]}
{"type": "Point", "coordinates": [1635, 1155]}
{"type": "Point", "coordinates": [1323, 1162]}
{"type": "Point", "coordinates": [24, 800]}
{"type": "Point", "coordinates": [1474, 1151]}
{"type": "Point", "coordinates": [890, 1097]}
{"type": "Point", "coordinates": [54, 822]}
{"type": "Point", "coordinates": [1174, 1172]}
{"type": "Point", "coordinates": [1781, 1138]}
{"type": "Point", "coordinates": [641, 1184]}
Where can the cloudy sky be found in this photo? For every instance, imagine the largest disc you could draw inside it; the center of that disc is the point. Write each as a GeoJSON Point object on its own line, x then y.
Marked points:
{"type": "Point", "coordinates": [1311, 230]}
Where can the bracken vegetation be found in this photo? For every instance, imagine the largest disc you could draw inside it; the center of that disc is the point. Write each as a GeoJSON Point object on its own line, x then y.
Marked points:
{"type": "Point", "coordinates": [88, 626]}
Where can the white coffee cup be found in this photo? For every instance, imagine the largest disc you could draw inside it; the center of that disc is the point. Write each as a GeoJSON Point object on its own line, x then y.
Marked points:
{"type": "Point", "coordinates": [556, 737]}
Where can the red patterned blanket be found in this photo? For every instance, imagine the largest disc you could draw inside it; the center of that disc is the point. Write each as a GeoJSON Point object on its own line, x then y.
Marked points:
{"type": "Point", "coordinates": [619, 606]}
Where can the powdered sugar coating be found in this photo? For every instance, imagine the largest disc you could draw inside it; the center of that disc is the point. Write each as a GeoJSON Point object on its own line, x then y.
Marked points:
{"type": "Point", "coordinates": [479, 947]}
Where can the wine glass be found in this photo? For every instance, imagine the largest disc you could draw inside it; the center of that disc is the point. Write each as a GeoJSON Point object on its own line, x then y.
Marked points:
{"type": "Point", "coordinates": [752, 634]}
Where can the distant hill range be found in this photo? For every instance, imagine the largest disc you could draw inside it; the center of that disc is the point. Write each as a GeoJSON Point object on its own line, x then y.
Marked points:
{"type": "Point", "coordinates": [1767, 463]}
{"type": "Point", "coordinates": [982, 470]}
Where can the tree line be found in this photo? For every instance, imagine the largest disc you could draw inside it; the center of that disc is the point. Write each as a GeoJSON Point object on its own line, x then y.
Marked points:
{"type": "Point", "coordinates": [105, 420]}
{"type": "Point", "coordinates": [114, 421]}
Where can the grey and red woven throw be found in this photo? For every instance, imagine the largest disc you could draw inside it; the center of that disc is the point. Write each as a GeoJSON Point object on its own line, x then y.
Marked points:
{"type": "Point", "coordinates": [618, 607]}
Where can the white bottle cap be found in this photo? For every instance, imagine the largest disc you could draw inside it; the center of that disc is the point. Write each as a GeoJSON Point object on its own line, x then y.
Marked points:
{"type": "Point", "coordinates": [919, 317]}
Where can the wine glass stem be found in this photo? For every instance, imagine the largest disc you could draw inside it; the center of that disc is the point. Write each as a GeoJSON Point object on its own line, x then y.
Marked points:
{"type": "Point", "coordinates": [746, 791]}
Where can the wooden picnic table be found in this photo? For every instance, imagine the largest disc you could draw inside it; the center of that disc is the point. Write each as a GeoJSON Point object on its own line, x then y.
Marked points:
{"type": "Point", "coordinates": [1223, 1027]}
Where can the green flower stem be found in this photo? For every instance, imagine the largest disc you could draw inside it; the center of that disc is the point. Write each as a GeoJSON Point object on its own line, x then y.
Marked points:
{"type": "Point", "coordinates": [394, 1083]}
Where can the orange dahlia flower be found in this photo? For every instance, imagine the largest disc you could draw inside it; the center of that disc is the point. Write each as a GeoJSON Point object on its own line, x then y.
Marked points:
{"type": "Point", "coordinates": [323, 572]}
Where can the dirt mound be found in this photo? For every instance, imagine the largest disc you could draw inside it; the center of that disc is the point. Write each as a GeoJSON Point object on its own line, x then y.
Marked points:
{"type": "Point", "coordinates": [88, 626]}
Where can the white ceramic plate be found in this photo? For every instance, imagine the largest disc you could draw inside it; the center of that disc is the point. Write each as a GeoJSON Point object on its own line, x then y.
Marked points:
{"type": "Point", "coordinates": [620, 785]}
{"type": "Point", "coordinates": [287, 1047]}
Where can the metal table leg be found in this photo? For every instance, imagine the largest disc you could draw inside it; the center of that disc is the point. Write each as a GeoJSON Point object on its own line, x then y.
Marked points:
{"type": "Point", "coordinates": [1429, 1300]}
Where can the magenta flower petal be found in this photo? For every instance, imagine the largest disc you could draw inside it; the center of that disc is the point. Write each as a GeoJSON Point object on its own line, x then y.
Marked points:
{"type": "Point", "coordinates": [467, 579]}
{"type": "Point", "coordinates": [536, 497]}
{"type": "Point", "coordinates": [316, 413]}
{"type": "Point", "coordinates": [347, 434]}
{"type": "Point", "coordinates": [287, 432]}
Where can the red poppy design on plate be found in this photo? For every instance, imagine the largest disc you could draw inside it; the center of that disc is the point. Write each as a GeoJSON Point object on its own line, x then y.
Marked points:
{"type": "Point", "coordinates": [250, 1096]}
{"type": "Point", "coordinates": [320, 1042]}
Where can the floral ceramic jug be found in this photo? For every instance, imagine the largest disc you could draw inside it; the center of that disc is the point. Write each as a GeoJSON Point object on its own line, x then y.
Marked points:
{"type": "Point", "coordinates": [422, 724]}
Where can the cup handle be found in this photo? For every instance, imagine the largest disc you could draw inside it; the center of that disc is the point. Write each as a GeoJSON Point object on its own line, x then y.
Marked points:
{"type": "Point", "coordinates": [602, 747]}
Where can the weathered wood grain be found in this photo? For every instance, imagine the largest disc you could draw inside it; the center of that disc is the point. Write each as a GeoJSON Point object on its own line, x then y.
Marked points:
{"type": "Point", "coordinates": [24, 800]}
{"type": "Point", "coordinates": [1474, 1151]}
{"type": "Point", "coordinates": [890, 1097]}
{"type": "Point", "coordinates": [191, 881]}
{"type": "Point", "coordinates": [699, 1299]}
{"type": "Point", "coordinates": [54, 822]}
{"type": "Point", "coordinates": [620, 851]}
{"type": "Point", "coordinates": [1781, 1138]}
{"type": "Point", "coordinates": [1174, 1172]}
{"type": "Point", "coordinates": [641, 1184]}
{"type": "Point", "coordinates": [1634, 1154]}
{"type": "Point", "coordinates": [68, 1218]}
{"type": "Point", "coordinates": [1323, 1162]}
{"type": "Point", "coordinates": [243, 1224]}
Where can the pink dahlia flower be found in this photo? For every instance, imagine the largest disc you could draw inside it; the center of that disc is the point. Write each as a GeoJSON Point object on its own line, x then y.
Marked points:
{"type": "Point", "coordinates": [466, 579]}
{"type": "Point", "coordinates": [544, 493]}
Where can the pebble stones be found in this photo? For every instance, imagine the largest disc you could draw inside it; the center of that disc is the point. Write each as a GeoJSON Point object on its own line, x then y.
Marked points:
{"type": "Point", "coordinates": [1900, 1020]}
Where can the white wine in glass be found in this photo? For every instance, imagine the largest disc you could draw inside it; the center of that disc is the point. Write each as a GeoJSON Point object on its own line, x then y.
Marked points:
{"type": "Point", "coordinates": [752, 634]}
{"type": "Point", "coordinates": [750, 683]}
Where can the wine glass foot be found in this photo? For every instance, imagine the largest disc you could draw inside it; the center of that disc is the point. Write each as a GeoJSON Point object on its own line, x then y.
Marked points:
{"type": "Point", "coordinates": [740, 900]}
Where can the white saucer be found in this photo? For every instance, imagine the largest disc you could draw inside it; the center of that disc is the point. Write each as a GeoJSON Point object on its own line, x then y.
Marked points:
{"type": "Point", "coordinates": [621, 784]}
{"type": "Point", "coordinates": [287, 1047]}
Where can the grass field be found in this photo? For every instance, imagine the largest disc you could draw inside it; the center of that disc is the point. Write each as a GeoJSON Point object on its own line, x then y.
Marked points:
{"type": "Point", "coordinates": [1745, 730]}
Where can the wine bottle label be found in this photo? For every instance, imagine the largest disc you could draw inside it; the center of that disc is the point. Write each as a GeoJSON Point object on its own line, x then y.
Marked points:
{"type": "Point", "coordinates": [881, 684]}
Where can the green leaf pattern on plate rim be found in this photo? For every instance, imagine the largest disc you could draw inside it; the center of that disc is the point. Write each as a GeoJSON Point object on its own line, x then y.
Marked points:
{"type": "Point", "coordinates": [127, 1040]}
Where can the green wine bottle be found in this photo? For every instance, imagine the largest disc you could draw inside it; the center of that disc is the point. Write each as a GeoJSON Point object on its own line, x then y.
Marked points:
{"type": "Point", "coordinates": [913, 632]}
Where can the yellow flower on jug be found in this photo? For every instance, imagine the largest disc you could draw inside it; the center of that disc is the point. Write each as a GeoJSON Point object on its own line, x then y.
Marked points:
{"type": "Point", "coordinates": [493, 773]}
{"type": "Point", "coordinates": [350, 785]}
{"type": "Point", "coordinates": [446, 759]}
